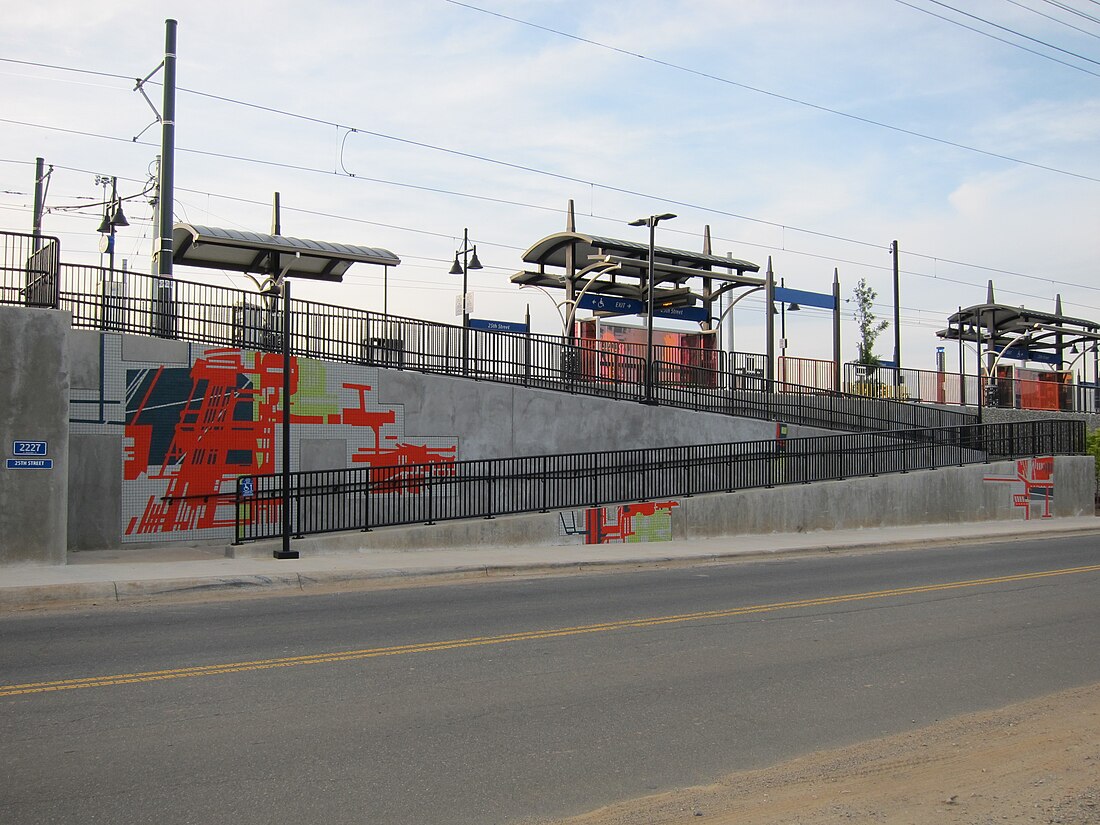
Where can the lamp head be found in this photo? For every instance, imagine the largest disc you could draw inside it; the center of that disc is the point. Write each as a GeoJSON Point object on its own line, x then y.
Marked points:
{"type": "Point", "coordinates": [119, 219]}
{"type": "Point", "coordinates": [456, 267]}
{"type": "Point", "coordinates": [474, 262]}
{"type": "Point", "coordinates": [793, 308]}
{"type": "Point", "coordinates": [652, 220]}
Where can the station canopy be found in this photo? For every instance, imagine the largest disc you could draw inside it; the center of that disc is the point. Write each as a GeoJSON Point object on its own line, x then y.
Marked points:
{"type": "Point", "coordinates": [621, 268]}
{"type": "Point", "coordinates": [277, 256]}
{"type": "Point", "coordinates": [996, 327]}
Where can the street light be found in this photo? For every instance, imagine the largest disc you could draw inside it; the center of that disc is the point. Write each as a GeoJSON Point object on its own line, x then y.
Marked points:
{"type": "Point", "coordinates": [784, 308]}
{"type": "Point", "coordinates": [469, 261]}
{"type": "Point", "coordinates": [651, 222]}
{"type": "Point", "coordinates": [113, 217]}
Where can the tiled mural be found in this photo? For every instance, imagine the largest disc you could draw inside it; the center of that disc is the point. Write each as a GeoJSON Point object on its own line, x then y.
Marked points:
{"type": "Point", "coordinates": [624, 523]}
{"type": "Point", "coordinates": [1033, 484]}
{"type": "Point", "coordinates": [189, 430]}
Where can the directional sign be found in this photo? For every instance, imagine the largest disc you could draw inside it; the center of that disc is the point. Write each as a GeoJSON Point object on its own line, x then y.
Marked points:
{"type": "Point", "coordinates": [30, 463]}
{"type": "Point", "coordinates": [22, 448]}
{"type": "Point", "coordinates": [682, 313]}
{"type": "Point", "coordinates": [1024, 354]}
{"type": "Point", "coordinates": [610, 303]}
{"type": "Point", "coordinates": [800, 296]}
{"type": "Point", "coordinates": [498, 326]}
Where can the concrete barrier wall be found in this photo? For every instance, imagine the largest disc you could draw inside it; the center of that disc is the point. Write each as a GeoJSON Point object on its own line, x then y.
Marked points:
{"type": "Point", "coordinates": [953, 494]}
{"type": "Point", "coordinates": [92, 495]}
{"type": "Point", "coordinates": [347, 415]}
{"type": "Point", "coordinates": [34, 377]}
{"type": "Point", "coordinates": [974, 493]}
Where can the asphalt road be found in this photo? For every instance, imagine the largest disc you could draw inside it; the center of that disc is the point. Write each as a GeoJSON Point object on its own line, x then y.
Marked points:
{"type": "Point", "coordinates": [507, 701]}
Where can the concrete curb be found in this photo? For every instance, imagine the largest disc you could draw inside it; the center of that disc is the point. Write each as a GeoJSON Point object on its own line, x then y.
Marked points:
{"type": "Point", "coordinates": [184, 588]}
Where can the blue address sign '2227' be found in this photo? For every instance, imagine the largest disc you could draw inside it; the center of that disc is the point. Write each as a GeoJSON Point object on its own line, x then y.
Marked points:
{"type": "Point", "coordinates": [29, 456]}
{"type": "Point", "coordinates": [25, 448]}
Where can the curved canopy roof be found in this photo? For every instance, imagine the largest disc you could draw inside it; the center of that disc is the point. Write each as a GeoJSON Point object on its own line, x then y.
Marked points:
{"type": "Point", "coordinates": [612, 266]}
{"type": "Point", "coordinates": [550, 251]}
{"type": "Point", "coordinates": [241, 251]}
{"type": "Point", "coordinates": [998, 325]}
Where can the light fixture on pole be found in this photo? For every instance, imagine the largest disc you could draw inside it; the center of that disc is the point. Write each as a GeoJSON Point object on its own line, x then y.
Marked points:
{"type": "Point", "coordinates": [113, 217]}
{"type": "Point", "coordinates": [462, 267]}
{"type": "Point", "coordinates": [651, 222]}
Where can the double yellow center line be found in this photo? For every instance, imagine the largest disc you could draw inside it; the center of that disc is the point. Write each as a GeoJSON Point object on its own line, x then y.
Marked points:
{"type": "Point", "coordinates": [507, 638]}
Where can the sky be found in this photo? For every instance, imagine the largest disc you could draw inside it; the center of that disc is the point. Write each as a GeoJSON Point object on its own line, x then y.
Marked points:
{"type": "Point", "coordinates": [809, 133]}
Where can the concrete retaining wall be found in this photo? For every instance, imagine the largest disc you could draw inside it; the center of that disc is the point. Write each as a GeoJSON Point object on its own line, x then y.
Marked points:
{"type": "Point", "coordinates": [500, 421]}
{"type": "Point", "coordinates": [70, 389]}
{"type": "Point", "coordinates": [34, 377]}
{"type": "Point", "coordinates": [463, 418]}
{"type": "Point", "coordinates": [974, 493]}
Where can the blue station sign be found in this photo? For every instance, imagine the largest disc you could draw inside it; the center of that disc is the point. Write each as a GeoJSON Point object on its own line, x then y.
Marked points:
{"type": "Point", "coordinates": [610, 303]}
{"type": "Point", "coordinates": [498, 326]}
{"type": "Point", "coordinates": [681, 313]}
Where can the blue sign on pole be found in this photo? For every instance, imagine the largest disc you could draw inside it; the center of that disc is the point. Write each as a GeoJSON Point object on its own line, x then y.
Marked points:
{"type": "Point", "coordinates": [681, 313]}
{"type": "Point", "coordinates": [610, 303]}
{"type": "Point", "coordinates": [498, 326]}
{"type": "Point", "coordinates": [22, 448]}
{"type": "Point", "coordinates": [1024, 354]}
{"type": "Point", "coordinates": [801, 296]}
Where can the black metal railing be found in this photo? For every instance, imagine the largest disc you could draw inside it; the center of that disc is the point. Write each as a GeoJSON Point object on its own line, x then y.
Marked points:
{"type": "Point", "coordinates": [29, 270]}
{"type": "Point", "coordinates": [751, 396]}
{"type": "Point", "coordinates": [703, 380]}
{"type": "Point", "coordinates": [349, 499]}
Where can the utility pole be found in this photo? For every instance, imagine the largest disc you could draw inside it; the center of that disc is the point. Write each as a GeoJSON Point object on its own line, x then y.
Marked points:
{"type": "Point", "coordinates": [836, 329]}
{"type": "Point", "coordinates": [166, 194]}
{"type": "Point", "coordinates": [39, 198]}
{"type": "Point", "coordinates": [897, 319]}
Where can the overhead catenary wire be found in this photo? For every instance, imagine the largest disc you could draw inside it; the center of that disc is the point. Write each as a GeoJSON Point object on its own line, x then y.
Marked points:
{"type": "Point", "coordinates": [316, 170]}
{"type": "Point", "coordinates": [830, 258]}
{"type": "Point", "coordinates": [1004, 29]}
{"type": "Point", "coordinates": [535, 206]}
{"type": "Point", "coordinates": [1053, 18]}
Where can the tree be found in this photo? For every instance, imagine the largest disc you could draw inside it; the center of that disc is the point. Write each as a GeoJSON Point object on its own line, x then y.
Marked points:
{"type": "Point", "coordinates": [869, 326]}
{"type": "Point", "coordinates": [1092, 447]}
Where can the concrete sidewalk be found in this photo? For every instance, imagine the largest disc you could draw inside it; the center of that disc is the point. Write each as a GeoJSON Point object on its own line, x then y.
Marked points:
{"type": "Point", "coordinates": [142, 575]}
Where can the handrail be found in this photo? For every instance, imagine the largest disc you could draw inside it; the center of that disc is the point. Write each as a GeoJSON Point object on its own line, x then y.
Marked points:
{"type": "Point", "coordinates": [365, 498]}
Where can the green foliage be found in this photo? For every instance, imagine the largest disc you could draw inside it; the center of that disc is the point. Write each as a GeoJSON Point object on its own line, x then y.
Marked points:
{"type": "Point", "coordinates": [869, 326]}
{"type": "Point", "coordinates": [1092, 447]}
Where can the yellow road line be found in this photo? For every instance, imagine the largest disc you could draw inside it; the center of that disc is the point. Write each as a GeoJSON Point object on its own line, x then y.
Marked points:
{"type": "Point", "coordinates": [529, 635]}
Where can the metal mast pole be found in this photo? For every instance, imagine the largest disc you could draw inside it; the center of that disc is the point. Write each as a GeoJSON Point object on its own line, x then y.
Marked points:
{"type": "Point", "coordinates": [836, 329]}
{"type": "Point", "coordinates": [167, 154]}
{"type": "Point", "coordinates": [38, 198]}
{"type": "Point", "coordinates": [285, 552]}
{"type": "Point", "coordinates": [897, 319]}
{"type": "Point", "coordinates": [649, 316]}
{"type": "Point", "coordinates": [769, 325]}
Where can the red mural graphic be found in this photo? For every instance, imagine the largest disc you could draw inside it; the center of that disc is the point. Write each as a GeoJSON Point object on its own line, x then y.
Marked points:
{"type": "Point", "coordinates": [401, 468]}
{"type": "Point", "coordinates": [198, 429]}
{"type": "Point", "coordinates": [600, 527]}
{"type": "Point", "coordinates": [1037, 477]}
